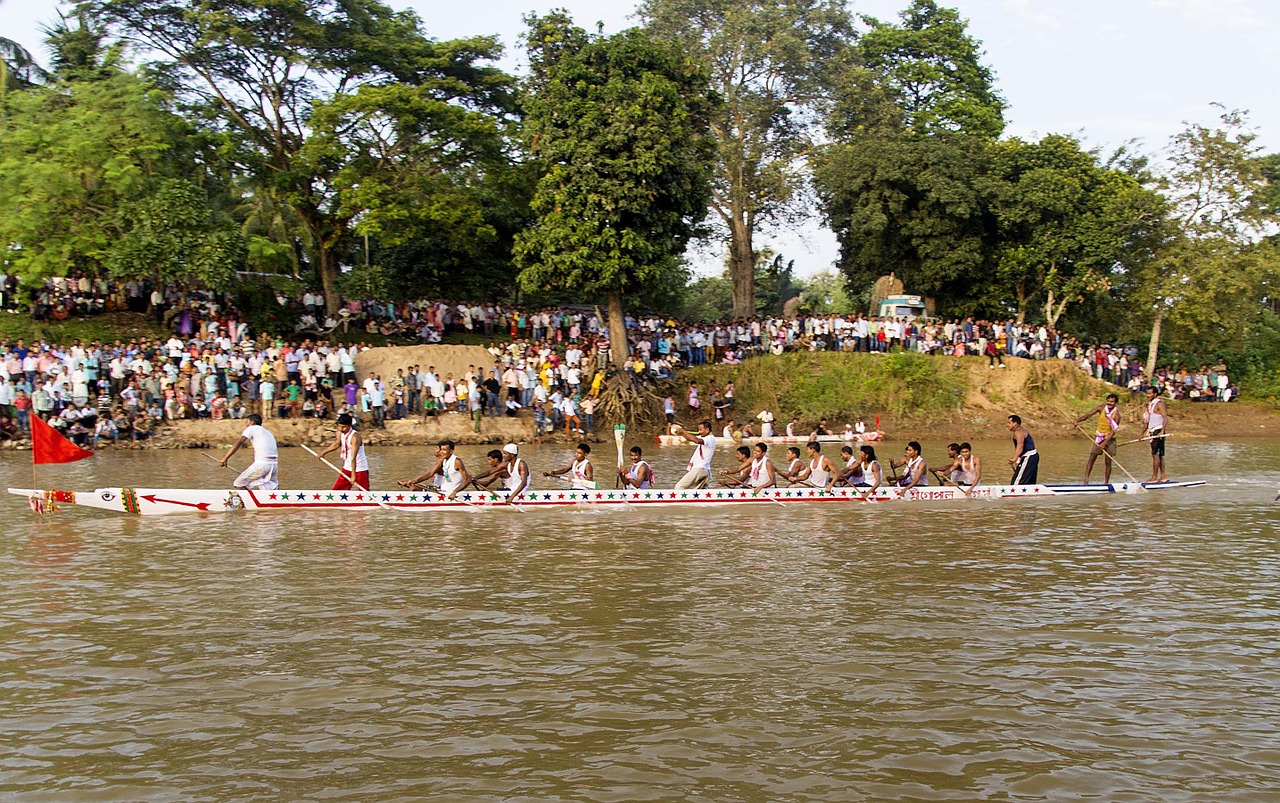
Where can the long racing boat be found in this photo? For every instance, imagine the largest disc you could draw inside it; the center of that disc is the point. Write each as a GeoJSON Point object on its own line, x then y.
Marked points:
{"type": "Point", "coordinates": [168, 501]}
{"type": "Point", "coordinates": [865, 437]}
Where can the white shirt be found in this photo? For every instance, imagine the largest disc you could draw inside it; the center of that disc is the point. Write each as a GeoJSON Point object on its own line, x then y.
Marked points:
{"type": "Point", "coordinates": [264, 443]}
{"type": "Point", "coordinates": [704, 454]}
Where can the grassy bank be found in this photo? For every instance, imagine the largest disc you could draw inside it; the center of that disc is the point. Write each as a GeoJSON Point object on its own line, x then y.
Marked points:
{"type": "Point", "coordinates": [906, 387]}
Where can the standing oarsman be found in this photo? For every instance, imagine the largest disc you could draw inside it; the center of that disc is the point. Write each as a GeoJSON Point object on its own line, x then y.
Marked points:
{"type": "Point", "coordinates": [263, 474]}
{"type": "Point", "coordinates": [581, 474]}
{"type": "Point", "coordinates": [1025, 460]}
{"type": "Point", "coordinates": [638, 474]}
{"type": "Point", "coordinates": [1157, 418]}
{"type": "Point", "coordinates": [350, 447]}
{"type": "Point", "coordinates": [699, 473]}
{"type": "Point", "coordinates": [1104, 436]}
{"type": "Point", "coordinates": [449, 473]}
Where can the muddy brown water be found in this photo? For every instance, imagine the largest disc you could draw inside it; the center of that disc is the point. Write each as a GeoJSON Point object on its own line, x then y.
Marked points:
{"type": "Point", "coordinates": [1119, 648]}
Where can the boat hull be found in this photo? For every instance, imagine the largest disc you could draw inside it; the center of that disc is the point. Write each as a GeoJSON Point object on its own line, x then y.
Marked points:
{"type": "Point", "coordinates": [868, 437]}
{"type": "Point", "coordinates": [170, 501]}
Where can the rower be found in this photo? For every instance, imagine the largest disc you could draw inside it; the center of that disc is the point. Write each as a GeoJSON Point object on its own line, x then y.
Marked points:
{"type": "Point", "coordinates": [263, 474]}
{"type": "Point", "coordinates": [851, 474]}
{"type": "Point", "coordinates": [738, 475]}
{"type": "Point", "coordinates": [517, 471]}
{"type": "Point", "coordinates": [1104, 436]}
{"type": "Point", "coordinates": [795, 466]}
{"type": "Point", "coordinates": [699, 473]}
{"type": "Point", "coordinates": [872, 474]}
{"type": "Point", "coordinates": [581, 474]}
{"type": "Point", "coordinates": [638, 474]}
{"type": "Point", "coordinates": [946, 473]}
{"type": "Point", "coordinates": [913, 468]}
{"type": "Point", "coordinates": [1025, 460]}
{"type": "Point", "coordinates": [970, 472]}
{"type": "Point", "coordinates": [859, 427]}
{"type": "Point", "coordinates": [350, 447]}
{"type": "Point", "coordinates": [821, 430]}
{"type": "Point", "coordinates": [819, 471]}
{"type": "Point", "coordinates": [848, 435]}
{"type": "Point", "coordinates": [761, 473]}
{"type": "Point", "coordinates": [494, 474]}
{"type": "Point", "coordinates": [792, 426]}
{"type": "Point", "coordinates": [449, 473]}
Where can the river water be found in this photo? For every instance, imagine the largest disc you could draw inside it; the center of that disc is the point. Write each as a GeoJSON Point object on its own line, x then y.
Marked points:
{"type": "Point", "coordinates": [1117, 648]}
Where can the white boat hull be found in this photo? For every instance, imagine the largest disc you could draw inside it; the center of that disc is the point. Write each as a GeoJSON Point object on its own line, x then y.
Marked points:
{"type": "Point", "coordinates": [869, 437]}
{"type": "Point", "coordinates": [168, 501]}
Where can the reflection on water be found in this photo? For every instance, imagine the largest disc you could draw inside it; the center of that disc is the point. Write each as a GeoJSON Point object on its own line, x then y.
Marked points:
{"type": "Point", "coordinates": [1122, 648]}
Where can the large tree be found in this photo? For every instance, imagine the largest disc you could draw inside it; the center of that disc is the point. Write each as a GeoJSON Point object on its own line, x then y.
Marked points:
{"type": "Point", "coordinates": [1213, 273]}
{"type": "Point", "coordinates": [618, 125]}
{"type": "Point", "coordinates": [1063, 225]}
{"type": "Point", "coordinates": [770, 61]}
{"type": "Point", "coordinates": [911, 121]}
{"type": "Point", "coordinates": [261, 68]}
{"type": "Point", "coordinates": [96, 174]}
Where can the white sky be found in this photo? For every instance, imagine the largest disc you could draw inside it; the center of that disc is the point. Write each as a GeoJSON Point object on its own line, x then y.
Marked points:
{"type": "Point", "coordinates": [1104, 70]}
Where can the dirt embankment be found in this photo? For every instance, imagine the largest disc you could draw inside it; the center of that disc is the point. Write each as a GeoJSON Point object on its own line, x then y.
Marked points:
{"type": "Point", "coordinates": [1049, 394]}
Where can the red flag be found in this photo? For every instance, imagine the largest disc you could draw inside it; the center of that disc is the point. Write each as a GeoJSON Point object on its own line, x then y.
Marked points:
{"type": "Point", "coordinates": [49, 446]}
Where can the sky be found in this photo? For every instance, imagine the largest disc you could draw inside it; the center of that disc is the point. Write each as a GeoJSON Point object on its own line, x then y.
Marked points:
{"type": "Point", "coordinates": [1105, 71]}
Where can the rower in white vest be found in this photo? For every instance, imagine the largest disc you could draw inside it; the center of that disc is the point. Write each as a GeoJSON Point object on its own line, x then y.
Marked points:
{"type": "Point", "coordinates": [449, 473]}
{"type": "Point", "coordinates": [579, 471]}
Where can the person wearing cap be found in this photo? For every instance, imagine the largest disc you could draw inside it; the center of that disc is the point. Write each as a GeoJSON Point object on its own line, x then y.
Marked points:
{"type": "Point", "coordinates": [517, 472]}
{"type": "Point", "coordinates": [350, 447]}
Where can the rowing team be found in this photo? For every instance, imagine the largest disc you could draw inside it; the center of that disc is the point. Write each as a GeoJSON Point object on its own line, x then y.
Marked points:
{"type": "Point", "coordinates": [857, 468]}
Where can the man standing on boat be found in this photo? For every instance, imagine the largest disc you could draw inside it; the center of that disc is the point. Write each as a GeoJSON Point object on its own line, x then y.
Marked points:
{"type": "Point", "coordinates": [350, 447]}
{"type": "Point", "coordinates": [449, 473]}
{"type": "Point", "coordinates": [1157, 418]}
{"type": "Point", "coordinates": [517, 472]}
{"type": "Point", "coordinates": [1104, 436]}
{"type": "Point", "coordinates": [699, 473]}
{"type": "Point", "coordinates": [1025, 460]}
{"type": "Point", "coordinates": [263, 474]}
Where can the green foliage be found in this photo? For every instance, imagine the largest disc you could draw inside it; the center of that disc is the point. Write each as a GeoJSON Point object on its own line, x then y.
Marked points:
{"type": "Point", "coordinates": [770, 61]}
{"type": "Point", "coordinates": [911, 206]}
{"type": "Point", "coordinates": [908, 387]}
{"type": "Point", "coordinates": [619, 124]}
{"type": "Point", "coordinates": [256, 300]}
{"type": "Point", "coordinates": [1063, 224]}
{"type": "Point", "coordinates": [925, 78]}
{"type": "Point", "coordinates": [824, 293]}
{"type": "Point", "coordinates": [172, 235]}
{"type": "Point", "coordinates": [71, 159]}
{"type": "Point", "coordinates": [339, 109]}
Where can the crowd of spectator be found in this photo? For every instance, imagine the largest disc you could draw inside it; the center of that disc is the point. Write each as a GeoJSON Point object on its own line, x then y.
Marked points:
{"type": "Point", "coordinates": [549, 362]}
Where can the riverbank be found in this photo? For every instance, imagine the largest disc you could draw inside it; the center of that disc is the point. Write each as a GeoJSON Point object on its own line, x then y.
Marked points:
{"type": "Point", "coordinates": [914, 395]}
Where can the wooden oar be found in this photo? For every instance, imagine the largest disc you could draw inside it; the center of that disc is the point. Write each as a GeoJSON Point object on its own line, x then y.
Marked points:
{"type": "Point", "coordinates": [216, 460]}
{"type": "Point", "coordinates": [619, 436]}
{"type": "Point", "coordinates": [581, 485]}
{"type": "Point", "coordinates": [755, 491]}
{"type": "Point", "coordinates": [484, 490]}
{"type": "Point", "coordinates": [340, 473]}
{"type": "Point", "coordinates": [1147, 438]}
{"type": "Point", "coordinates": [945, 483]}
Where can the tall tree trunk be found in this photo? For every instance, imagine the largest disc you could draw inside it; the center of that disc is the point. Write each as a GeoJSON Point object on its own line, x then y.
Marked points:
{"type": "Point", "coordinates": [325, 233]}
{"type": "Point", "coordinates": [1153, 349]}
{"type": "Point", "coordinates": [617, 331]}
{"type": "Point", "coordinates": [742, 268]}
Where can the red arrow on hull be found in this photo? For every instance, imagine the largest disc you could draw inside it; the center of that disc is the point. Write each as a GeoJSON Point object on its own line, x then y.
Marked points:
{"type": "Point", "coordinates": [152, 498]}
